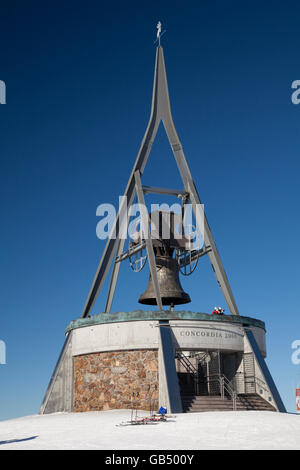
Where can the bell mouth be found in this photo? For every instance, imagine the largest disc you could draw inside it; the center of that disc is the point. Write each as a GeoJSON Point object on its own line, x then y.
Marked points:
{"type": "Point", "coordinates": [171, 291]}
{"type": "Point", "coordinates": [183, 299]}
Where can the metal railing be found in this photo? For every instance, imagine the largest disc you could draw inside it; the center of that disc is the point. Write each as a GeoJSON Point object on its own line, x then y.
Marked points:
{"type": "Point", "coordinates": [225, 388]}
{"type": "Point", "coordinates": [201, 357]}
{"type": "Point", "coordinates": [192, 370]}
{"type": "Point", "coordinates": [262, 384]}
{"type": "Point", "coordinates": [255, 383]}
{"type": "Point", "coordinates": [186, 363]}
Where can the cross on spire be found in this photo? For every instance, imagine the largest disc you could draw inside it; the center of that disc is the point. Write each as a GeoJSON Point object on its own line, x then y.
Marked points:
{"type": "Point", "coordinates": [158, 31]}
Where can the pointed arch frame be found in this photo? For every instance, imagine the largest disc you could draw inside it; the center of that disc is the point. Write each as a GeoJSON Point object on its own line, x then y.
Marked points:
{"type": "Point", "coordinates": [160, 111]}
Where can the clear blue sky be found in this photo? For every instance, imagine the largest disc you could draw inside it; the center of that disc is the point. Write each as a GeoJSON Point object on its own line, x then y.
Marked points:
{"type": "Point", "coordinates": [79, 81]}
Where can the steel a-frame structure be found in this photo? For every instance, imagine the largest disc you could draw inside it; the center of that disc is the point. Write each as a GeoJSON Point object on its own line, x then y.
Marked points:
{"type": "Point", "coordinates": [160, 111]}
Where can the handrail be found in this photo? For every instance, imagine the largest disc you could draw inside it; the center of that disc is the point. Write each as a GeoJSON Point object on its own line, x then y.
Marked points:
{"type": "Point", "coordinates": [258, 382]}
{"type": "Point", "coordinates": [199, 355]}
{"type": "Point", "coordinates": [225, 386]}
{"type": "Point", "coordinates": [221, 379]}
{"type": "Point", "coordinates": [186, 363]}
{"type": "Point", "coordinates": [190, 368]}
{"type": "Point", "coordinates": [261, 383]}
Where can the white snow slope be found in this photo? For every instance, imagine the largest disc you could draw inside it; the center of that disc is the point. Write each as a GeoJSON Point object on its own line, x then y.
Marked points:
{"type": "Point", "coordinates": [99, 430]}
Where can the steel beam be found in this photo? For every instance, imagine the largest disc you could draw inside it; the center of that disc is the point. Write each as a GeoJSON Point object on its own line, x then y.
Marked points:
{"type": "Point", "coordinates": [164, 191]}
{"type": "Point", "coordinates": [189, 186]}
{"type": "Point", "coordinates": [147, 235]}
{"type": "Point", "coordinates": [111, 245]}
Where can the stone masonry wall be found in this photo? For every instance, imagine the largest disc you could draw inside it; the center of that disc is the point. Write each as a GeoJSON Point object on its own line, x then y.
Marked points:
{"type": "Point", "coordinates": [108, 380]}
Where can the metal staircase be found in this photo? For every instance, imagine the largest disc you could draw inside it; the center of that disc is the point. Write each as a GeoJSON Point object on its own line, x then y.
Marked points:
{"type": "Point", "coordinates": [212, 391]}
{"type": "Point", "coordinates": [198, 384]}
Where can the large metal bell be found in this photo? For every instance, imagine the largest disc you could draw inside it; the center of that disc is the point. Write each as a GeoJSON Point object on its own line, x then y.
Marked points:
{"type": "Point", "coordinates": [168, 279]}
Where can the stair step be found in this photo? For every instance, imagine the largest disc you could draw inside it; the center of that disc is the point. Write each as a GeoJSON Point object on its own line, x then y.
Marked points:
{"type": "Point", "coordinates": [192, 403]}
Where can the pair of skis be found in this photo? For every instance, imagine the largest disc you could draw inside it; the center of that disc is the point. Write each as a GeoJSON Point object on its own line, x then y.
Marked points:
{"type": "Point", "coordinates": [154, 418]}
{"type": "Point", "coordinates": [138, 421]}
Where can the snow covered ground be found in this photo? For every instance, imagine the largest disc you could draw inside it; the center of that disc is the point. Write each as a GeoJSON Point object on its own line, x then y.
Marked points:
{"type": "Point", "coordinates": [98, 430]}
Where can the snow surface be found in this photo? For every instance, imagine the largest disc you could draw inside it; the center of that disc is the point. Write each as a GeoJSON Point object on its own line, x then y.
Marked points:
{"type": "Point", "coordinates": [98, 430]}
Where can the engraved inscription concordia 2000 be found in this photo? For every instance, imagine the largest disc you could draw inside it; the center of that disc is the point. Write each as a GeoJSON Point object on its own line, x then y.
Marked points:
{"type": "Point", "coordinates": [211, 334]}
